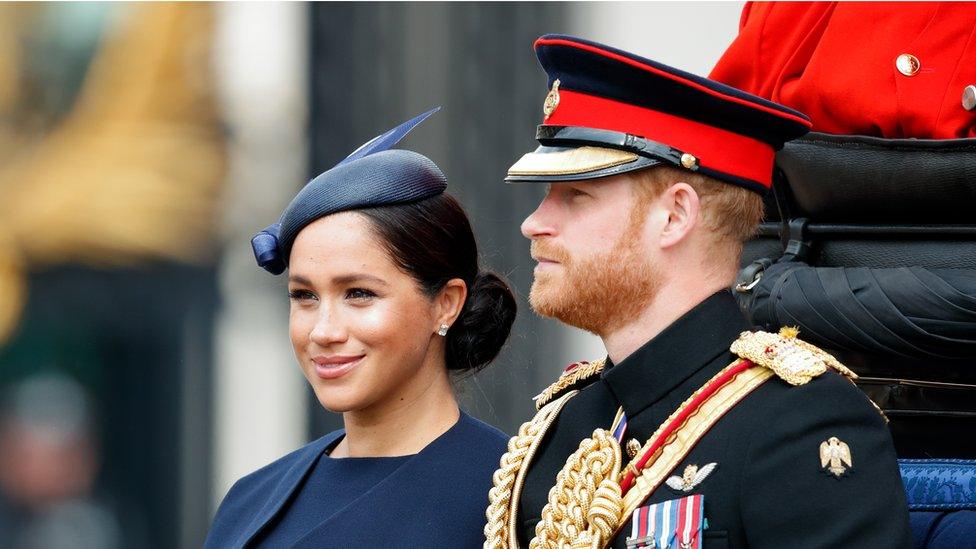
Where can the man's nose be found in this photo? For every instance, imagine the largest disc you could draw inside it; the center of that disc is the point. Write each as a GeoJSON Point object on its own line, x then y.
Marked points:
{"type": "Point", "coordinates": [540, 222]}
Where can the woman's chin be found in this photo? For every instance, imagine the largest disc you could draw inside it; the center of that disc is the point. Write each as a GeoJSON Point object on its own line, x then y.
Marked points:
{"type": "Point", "coordinates": [338, 401]}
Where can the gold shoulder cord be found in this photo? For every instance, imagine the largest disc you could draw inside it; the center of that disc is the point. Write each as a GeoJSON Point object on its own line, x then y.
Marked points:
{"type": "Point", "coordinates": [500, 530]}
{"type": "Point", "coordinates": [502, 513]}
{"type": "Point", "coordinates": [585, 504]}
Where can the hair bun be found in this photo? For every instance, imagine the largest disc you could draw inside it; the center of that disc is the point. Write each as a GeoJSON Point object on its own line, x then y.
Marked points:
{"type": "Point", "coordinates": [483, 325]}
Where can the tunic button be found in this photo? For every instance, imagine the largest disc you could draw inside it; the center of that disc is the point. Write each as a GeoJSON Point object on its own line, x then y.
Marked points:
{"type": "Point", "coordinates": [969, 97]}
{"type": "Point", "coordinates": [907, 64]}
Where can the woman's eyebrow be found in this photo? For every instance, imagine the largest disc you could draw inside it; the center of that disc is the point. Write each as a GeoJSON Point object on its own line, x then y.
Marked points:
{"type": "Point", "coordinates": [358, 277]}
{"type": "Point", "coordinates": [340, 280]}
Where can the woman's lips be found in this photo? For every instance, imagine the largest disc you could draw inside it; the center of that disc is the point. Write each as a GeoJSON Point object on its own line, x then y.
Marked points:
{"type": "Point", "coordinates": [334, 367]}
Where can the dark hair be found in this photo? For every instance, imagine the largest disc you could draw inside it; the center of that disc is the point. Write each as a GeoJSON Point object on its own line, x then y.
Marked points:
{"type": "Point", "coordinates": [432, 241]}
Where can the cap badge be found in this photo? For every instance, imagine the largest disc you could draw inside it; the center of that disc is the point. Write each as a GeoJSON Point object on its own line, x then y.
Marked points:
{"type": "Point", "coordinates": [552, 100]}
{"type": "Point", "coordinates": [835, 456]}
{"type": "Point", "coordinates": [693, 476]}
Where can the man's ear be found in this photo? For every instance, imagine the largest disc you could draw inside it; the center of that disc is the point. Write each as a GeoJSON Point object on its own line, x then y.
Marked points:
{"type": "Point", "coordinates": [682, 205]}
{"type": "Point", "coordinates": [449, 302]}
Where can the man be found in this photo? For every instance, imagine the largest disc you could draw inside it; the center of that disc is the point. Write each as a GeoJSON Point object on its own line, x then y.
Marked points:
{"type": "Point", "coordinates": [694, 432]}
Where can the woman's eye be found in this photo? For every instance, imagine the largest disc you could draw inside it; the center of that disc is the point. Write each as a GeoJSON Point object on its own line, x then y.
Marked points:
{"type": "Point", "coordinates": [300, 295]}
{"type": "Point", "coordinates": [359, 294]}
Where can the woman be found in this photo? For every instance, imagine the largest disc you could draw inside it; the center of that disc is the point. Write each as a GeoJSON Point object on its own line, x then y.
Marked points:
{"type": "Point", "coordinates": [386, 301]}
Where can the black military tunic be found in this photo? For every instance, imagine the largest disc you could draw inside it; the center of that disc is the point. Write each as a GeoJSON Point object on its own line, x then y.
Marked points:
{"type": "Point", "coordinates": [768, 488]}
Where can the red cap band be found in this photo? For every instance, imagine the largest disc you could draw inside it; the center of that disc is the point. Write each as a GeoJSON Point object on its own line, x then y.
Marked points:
{"type": "Point", "coordinates": [716, 148]}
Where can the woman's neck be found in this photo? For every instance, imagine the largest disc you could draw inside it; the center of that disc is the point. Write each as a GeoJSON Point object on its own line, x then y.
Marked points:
{"type": "Point", "coordinates": [404, 423]}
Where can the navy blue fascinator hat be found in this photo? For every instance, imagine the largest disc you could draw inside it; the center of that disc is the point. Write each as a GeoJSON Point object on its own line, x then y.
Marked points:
{"type": "Point", "coordinates": [373, 175]}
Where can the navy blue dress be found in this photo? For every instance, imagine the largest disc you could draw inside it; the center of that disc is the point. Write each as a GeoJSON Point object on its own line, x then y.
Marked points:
{"type": "Point", "coordinates": [435, 498]}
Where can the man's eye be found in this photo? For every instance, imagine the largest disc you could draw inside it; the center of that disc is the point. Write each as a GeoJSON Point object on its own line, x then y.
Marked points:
{"type": "Point", "coordinates": [359, 293]}
{"type": "Point", "coordinates": [300, 295]}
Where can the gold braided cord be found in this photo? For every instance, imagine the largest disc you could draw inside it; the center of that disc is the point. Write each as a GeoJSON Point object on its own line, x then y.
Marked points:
{"type": "Point", "coordinates": [503, 480]}
{"type": "Point", "coordinates": [507, 479]}
{"type": "Point", "coordinates": [584, 506]}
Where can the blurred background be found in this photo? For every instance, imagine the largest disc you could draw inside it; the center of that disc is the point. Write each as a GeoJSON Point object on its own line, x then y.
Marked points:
{"type": "Point", "coordinates": [144, 358]}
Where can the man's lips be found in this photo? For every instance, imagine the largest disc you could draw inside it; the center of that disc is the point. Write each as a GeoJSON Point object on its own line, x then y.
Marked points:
{"type": "Point", "coordinates": [544, 263]}
{"type": "Point", "coordinates": [335, 366]}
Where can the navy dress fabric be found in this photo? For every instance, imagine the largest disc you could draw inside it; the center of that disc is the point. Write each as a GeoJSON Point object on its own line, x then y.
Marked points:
{"type": "Point", "coordinates": [435, 498]}
{"type": "Point", "coordinates": [332, 485]}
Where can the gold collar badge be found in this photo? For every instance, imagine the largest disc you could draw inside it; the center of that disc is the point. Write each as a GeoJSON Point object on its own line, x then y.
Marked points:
{"type": "Point", "coordinates": [552, 100]}
{"type": "Point", "coordinates": [574, 373]}
{"type": "Point", "coordinates": [693, 476]}
{"type": "Point", "coordinates": [835, 456]}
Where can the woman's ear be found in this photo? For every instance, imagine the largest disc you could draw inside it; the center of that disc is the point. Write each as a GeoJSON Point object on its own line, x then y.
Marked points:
{"type": "Point", "coordinates": [449, 302]}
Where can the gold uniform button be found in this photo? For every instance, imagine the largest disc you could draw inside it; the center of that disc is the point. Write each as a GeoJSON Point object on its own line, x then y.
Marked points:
{"type": "Point", "coordinates": [907, 64]}
{"type": "Point", "coordinates": [969, 97]}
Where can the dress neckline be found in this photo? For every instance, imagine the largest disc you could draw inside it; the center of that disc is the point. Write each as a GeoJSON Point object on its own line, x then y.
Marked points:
{"type": "Point", "coordinates": [341, 434]}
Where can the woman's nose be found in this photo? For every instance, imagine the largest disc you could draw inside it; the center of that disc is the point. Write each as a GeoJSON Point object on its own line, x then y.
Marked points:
{"type": "Point", "coordinates": [328, 329]}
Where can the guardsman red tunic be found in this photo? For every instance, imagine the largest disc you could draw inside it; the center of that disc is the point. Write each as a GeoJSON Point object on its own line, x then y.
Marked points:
{"type": "Point", "coordinates": [885, 69]}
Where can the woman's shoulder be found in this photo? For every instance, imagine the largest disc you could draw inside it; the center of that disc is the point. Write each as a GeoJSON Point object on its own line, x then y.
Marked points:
{"type": "Point", "coordinates": [472, 426]}
{"type": "Point", "coordinates": [249, 494]}
{"type": "Point", "coordinates": [470, 439]}
{"type": "Point", "coordinates": [272, 473]}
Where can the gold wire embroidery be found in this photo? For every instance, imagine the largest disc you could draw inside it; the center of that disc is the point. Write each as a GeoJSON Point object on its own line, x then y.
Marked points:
{"type": "Point", "coordinates": [577, 372]}
{"type": "Point", "coordinates": [793, 360]}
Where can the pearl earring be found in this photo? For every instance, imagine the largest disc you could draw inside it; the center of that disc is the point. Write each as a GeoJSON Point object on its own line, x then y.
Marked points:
{"type": "Point", "coordinates": [442, 331]}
